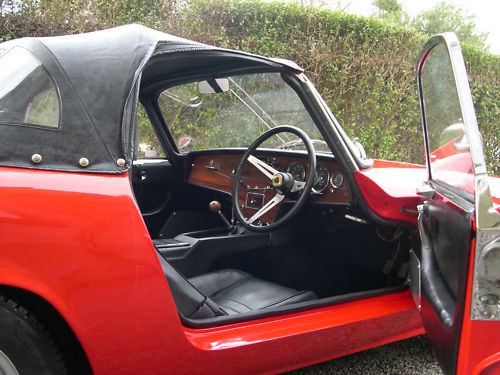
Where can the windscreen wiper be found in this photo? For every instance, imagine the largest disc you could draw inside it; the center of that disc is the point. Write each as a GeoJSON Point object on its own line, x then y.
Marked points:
{"type": "Point", "coordinates": [299, 142]}
{"type": "Point", "coordinates": [233, 82]}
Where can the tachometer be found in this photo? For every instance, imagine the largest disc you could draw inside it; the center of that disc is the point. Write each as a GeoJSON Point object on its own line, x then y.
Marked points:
{"type": "Point", "coordinates": [297, 170]}
{"type": "Point", "coordinates": [321, 178]}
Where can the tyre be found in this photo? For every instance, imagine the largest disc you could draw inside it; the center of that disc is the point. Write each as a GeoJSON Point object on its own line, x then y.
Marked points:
{"type": "Point", "coordinates": [26, 346]}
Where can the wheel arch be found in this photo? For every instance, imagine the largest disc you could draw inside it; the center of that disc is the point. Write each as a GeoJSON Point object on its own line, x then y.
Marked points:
{"type": "Point", "coordinates": [62, 333]}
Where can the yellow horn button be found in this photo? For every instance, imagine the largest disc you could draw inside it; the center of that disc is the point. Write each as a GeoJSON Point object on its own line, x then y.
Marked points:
{"type": "Point", "coordinates": [277, 180]}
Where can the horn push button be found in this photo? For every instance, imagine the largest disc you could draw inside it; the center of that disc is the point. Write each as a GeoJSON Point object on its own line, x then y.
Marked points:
{"type": "Point", "coordinates": [282, 183]}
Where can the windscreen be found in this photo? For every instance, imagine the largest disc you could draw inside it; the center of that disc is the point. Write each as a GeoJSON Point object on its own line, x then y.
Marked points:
{"type": "Point", "coordinates": [234, 111]}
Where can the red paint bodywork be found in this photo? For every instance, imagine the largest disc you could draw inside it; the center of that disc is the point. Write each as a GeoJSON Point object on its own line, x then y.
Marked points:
{"type": "Point", "coordinates": [479, 352]}
{"type": "Point", "coordinates": [79, 242]}
{"type": "Point", "coordinates": [390, 189]}
{"type": "Point", "coordinates": [494, 183]}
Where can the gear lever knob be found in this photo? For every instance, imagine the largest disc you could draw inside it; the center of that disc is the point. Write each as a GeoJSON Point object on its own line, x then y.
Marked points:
{"type": "Point", "coordinates": [214, 206]}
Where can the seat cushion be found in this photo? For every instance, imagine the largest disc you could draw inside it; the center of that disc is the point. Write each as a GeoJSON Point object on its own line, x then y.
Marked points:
{"type": "Point", "coordinates": [236, 292]}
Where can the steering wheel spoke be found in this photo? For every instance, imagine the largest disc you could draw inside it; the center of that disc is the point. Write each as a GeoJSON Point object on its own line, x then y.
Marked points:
{"type": "Point", "coordinates": [298, 186]}
{"type": "Point", "coordinates": [282, 183]}
{"type": "Point", "coordinates": [262, 166]}
{"type": "Point", "coordinates": [267, 207]}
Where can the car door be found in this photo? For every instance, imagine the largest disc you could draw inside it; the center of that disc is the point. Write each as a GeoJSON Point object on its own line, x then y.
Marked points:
{"type": "Point", "coordinates": [455, 279]}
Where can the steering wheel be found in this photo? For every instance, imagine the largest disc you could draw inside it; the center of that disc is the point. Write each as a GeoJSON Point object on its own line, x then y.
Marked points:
{"type": "Point", "coordinates": [282, 183]}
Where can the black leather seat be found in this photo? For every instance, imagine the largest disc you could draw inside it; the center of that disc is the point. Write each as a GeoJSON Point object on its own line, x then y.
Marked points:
{"type": "Point", "coordinates": [227, 292]}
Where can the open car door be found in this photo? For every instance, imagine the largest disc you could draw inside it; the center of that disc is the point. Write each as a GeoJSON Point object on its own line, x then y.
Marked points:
{"type": "Point", "coordinates": [455, 280]}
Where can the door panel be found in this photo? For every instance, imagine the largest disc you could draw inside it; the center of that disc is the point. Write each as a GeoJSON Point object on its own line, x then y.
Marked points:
{"type": "Point", "coordinates": [170, 206]}
{"type": "Point", "coordinates": [458, 222]}
{"type": "Point", "coordinates": [445, 231]}
{"type": "Point", "coordinates": [153, 181]}
{"type": "Point", "coordinates": [449, 229]}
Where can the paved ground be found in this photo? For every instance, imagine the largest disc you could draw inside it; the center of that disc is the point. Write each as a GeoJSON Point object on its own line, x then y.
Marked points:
{"type": "Point", "coordinates": [408, 357]}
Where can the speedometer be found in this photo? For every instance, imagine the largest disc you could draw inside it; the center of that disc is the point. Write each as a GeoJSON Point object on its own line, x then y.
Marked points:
{"type": "Point", "coordinates": [321, 178]}
{"type": "Point", "coordinates": [297, 170]}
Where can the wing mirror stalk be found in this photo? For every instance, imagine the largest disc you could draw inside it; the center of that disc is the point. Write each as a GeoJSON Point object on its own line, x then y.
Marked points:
{"type": "Point", "coordinates": [426, 191]}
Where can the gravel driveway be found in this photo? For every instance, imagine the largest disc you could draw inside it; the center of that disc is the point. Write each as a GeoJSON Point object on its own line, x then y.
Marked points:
{"type": "Point", "coordinates": [413, 356]}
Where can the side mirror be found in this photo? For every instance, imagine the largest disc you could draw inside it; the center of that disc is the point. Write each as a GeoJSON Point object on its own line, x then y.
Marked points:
{"type": "Point", "coordinates": [359, 148]}
{"type": "Point", "coordinates": [185, 144]}
{"type": "Point", "coordinates": [456, 133]}
{"type": "Point", "coordinates": [214, 85]}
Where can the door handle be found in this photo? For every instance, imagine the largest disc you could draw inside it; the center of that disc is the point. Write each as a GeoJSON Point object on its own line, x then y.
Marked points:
{"type": "Point", "coordinates": [423, 209]}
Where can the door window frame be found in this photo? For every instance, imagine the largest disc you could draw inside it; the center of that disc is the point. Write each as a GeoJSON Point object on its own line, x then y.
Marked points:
{"type": "Point", "coordinates": [487, 218]}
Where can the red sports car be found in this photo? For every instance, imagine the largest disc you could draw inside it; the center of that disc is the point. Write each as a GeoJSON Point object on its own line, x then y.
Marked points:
{"type": "Point", "coordinates": [172, 207]}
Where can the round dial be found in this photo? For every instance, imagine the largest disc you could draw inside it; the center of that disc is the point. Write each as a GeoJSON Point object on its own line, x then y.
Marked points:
{"type": "Point", "coordinates": [337, 179]}
{"type": "Point", "coordinates": [297, 170]}
{"type": "Point", "coordinates": [321, 178]}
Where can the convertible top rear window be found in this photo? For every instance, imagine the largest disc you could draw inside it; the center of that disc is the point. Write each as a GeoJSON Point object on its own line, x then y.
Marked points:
{"type": "Point", "coordinates": [28, 96]}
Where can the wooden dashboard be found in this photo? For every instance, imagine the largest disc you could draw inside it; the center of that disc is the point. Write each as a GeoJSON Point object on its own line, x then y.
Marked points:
{"type": "Point", "coordinates": [216, 171]}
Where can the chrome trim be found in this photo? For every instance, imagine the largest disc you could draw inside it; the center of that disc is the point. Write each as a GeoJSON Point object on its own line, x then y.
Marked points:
{"type": "Point", "coordinates": [6, 365]}
{"type": "Point", "coordinates": [142, 161]}
{"type": "Point", "coordinates": [486, 274]}
{"type": "Point", "coordinates": [485, 289]}
{"type": "Point", "coordinates": [334, 174]}
{"type": "Point", "coordinates": [335, 126]}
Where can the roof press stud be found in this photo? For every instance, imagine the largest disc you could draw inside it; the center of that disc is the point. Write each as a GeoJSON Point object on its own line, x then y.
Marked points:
{"type": "Point", "coordinates": [36, 158]}
{"type": "Point", "coordinates": [120, 162]}
{"type": "Point", "coordinates": [84, 162]}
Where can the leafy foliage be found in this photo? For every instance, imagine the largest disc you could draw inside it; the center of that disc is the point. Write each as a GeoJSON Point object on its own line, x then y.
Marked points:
{"type": "Point", "coordinates": [448, 17]}
{"type": "Point", "coordinates": [364, 68]}
{"type": "Point", "coordinates": [391, 11]}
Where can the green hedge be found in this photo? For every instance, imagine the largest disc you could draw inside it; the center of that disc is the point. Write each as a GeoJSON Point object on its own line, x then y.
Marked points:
{"type": "Point", "coordinates": [364, 68]}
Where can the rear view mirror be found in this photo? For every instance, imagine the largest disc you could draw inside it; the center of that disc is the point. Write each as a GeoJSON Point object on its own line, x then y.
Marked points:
{"type": "Point", "coordinates": [212, 86]}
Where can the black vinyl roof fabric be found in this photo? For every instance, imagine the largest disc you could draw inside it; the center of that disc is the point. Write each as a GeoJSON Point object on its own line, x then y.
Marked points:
{"type": "Point", "coordinates": [97, 76]}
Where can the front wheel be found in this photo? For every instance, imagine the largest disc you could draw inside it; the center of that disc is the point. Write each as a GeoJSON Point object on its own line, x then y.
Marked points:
{"type": "Point", "coordinates": [26, 346]}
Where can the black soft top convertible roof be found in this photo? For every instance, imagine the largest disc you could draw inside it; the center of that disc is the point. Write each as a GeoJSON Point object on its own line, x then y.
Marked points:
{"type": "Point", "coordinates": [97, 76]}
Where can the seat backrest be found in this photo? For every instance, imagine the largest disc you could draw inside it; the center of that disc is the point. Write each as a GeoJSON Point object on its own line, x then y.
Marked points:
{"type": "Point", "coordinates": [190, 302]}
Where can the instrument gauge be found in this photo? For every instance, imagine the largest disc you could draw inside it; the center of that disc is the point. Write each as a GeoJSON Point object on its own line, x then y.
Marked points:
{"type": "Point", "coordinates": [337, 179]}
{"type": "Point", "coordinates": [321, 178]}
{"type": "Point", "coordinates": [297, 170]}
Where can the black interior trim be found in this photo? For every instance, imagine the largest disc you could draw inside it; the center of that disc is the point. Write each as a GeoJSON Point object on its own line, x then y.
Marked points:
{"type": "Point", "coordinates": [240, 150]}
{"type": "Point", "coordinates": [181, 164]}
{"type": "Point", "coordinates": [149, 174]}
{"type": "Point", "coordinates": [433, 284]}
{"type": "Point", "coordinates": [459, 196]}
{"type": "Point", "coordinates": [444, 277]}
{"type": "Point", "coordinates": [303, 306]}
{"type": "Point", "coordinates": [259, 259]}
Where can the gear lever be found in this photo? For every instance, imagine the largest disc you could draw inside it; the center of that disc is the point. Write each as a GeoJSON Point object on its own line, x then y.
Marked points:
{"type": "Point", "coordinates": [215, 207]}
